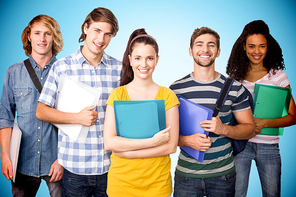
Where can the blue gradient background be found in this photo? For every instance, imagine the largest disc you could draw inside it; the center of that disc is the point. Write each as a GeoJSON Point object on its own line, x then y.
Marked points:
{"type": "Point", "coordinates": [171, 23]}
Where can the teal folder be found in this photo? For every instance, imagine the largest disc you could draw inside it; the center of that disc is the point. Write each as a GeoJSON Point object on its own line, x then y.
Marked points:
{"type": "Point", "coordinates": [139, 119]}
{"type": "Point", "coordinates": [271, 102]}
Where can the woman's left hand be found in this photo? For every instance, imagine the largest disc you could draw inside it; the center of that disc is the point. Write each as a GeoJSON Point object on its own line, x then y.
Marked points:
{"type": "Point", "coordinates": [259, 123]}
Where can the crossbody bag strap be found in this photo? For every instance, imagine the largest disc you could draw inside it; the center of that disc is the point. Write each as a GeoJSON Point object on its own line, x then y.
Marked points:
{"type": "Point", "coordinates": [222, 96]}
{"type": "Point", "coordinates": [33, 75]}
{"type": "Point", "coordinates": [35, 80]}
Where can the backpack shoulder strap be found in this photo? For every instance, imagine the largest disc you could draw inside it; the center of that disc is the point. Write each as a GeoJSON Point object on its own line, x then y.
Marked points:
{"type": "Point", "coordinates": [33, 75]}
{"type": "Point", "coordinates": [222, 96]}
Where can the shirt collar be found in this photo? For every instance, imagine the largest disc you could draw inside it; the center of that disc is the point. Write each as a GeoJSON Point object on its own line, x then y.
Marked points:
{"type": "Point", "coordinates": [34, 64]}
{"type": "Point", "coordinates": [81, 59]}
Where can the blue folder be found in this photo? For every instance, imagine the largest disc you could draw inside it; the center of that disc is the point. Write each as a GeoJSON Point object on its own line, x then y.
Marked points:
{"type": "Point", "coordinates": [139, 119]}
{"type": "Point", "coordinates": [190, 115]}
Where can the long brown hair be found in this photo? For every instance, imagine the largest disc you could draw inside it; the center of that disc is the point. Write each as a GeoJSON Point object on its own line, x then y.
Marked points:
{"type": "Point", "coordinates": [128, 74]}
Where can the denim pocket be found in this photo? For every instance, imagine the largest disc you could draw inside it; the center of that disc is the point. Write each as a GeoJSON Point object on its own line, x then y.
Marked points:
{"type": "Point", "coordinates": [23, 98]}
{"type": "Point", "coordinates": [180, 178]}
{"type": "Point", "coordinates": [230, 177]}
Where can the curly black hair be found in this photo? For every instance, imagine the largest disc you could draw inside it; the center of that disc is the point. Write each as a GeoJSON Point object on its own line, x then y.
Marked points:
{"type": "Point", "coordinates": [238, 63]}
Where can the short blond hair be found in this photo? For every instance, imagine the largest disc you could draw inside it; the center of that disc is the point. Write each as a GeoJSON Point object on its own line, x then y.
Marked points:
{"type": "Point", "coordinates": [52, 24]}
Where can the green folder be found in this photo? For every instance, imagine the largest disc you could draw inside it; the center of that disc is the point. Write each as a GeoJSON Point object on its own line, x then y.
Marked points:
{"type": "Point", "coordinates": [139, 119]}
{"type": "Point", "coordinates": [271, 102]}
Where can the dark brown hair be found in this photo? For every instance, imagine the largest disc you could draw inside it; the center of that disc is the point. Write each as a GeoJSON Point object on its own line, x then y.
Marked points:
{"type": "Point", "coordinates": [128, 74]}
{"type": "Point", "coordinates": [100, 15]}
{"type": "Point", "coordinates": [204, 30]}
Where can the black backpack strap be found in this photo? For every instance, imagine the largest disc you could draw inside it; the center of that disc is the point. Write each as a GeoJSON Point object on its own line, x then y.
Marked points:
{"type": "Point", "coordinates": [35, 79]}
{"type": "Point", "coordinates": [222, 96]}
{"type": "Point", "coordinates": [33, 75]}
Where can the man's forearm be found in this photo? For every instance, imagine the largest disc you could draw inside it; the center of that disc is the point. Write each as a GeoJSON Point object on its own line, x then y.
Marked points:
{"type": "Point", "coordinates": [241, 131]}
{"type": "Point", "coordinates": [49, 114]}
{"type": "Point", "coordinates": [5, 135]}
{"type": "Point", "coordinates": [183, 140]}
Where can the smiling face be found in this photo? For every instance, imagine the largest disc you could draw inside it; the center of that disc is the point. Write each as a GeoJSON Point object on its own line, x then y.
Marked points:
{"type": "Point", "coordinates": [98, 37]}
{"type": "Point", "coordinates": [41, 40]}
{"type": "Point", "coordinates": [143, 60]}
{"type": "Point", "coordinates": [256, 49]}
{"type": "Point", "coordinates": [204, 50]}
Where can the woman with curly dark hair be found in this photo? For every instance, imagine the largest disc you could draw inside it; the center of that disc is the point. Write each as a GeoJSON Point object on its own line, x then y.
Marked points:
{"type": "Point", "coordinates": [256, 57]}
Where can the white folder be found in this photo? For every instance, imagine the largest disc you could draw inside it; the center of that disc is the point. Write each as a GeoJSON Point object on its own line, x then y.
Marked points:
{"type": "Point", "coordinates": [14, 147]}
{"type": "Point", "coordinates": [73, 96]}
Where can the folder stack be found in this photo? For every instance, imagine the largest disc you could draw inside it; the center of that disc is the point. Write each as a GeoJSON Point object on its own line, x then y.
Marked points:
{"type": "Point", "coordinates": [190, 116]}
{"type": "Point", "coordinates": [271, 102]}
{"type": "Point", "coordinates": [139, 119]}
{"type": "Point", "coordinates": [73, 96]}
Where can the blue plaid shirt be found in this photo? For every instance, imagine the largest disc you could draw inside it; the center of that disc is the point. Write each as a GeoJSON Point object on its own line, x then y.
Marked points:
{"type": "Point", "coordinates": [89, 158]}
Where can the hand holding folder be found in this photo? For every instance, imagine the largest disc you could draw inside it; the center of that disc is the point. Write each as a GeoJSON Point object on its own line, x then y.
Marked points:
{"type": "Point", "coordinates": [139, 119]}
{"type": "Point", "coordinates": [271, 102]}
{"type": "Point", "coordinates": [190, 115]}
{"type": "Point", "coordinates": [74, 96]}
{"type": "Point", "coordinates": [14, 147]}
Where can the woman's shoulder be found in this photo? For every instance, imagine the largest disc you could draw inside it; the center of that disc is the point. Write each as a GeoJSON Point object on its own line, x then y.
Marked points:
{"type": "Point", "coordinates": [277, 72]}
{"type": "Point", "coordinates": [118, 93]}
{"type": "Point", "coordinates": [165, 91]}
{"type": "Point", "coordinates": [119, 89]}
{"type": "Point", "coordinates": [169, 96]}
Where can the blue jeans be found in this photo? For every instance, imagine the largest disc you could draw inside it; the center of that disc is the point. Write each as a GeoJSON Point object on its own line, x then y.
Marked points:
{"type": "Point", "coordinates": [268, 162]}
{"type": "Point", "coordinates": [210, 187]}
{"type": "Point", "coordinates": [84, 185]}
{"type": "Point", "coordinates": [28, 186]}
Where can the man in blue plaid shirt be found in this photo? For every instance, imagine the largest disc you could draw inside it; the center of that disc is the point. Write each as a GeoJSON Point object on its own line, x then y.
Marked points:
{"type": "Point", "coordinates": [85, 164]}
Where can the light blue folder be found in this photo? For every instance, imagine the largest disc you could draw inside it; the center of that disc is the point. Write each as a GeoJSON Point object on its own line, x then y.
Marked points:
{"type": "Point", "coordinates": [139, 119]}
{"type": "Point", "coordinates": [190, 115]}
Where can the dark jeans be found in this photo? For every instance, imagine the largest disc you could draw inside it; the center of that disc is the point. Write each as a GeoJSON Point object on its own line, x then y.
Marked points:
{"type": "Point", "coordinates": [27, 186]}
{"type": "Point", "coordinates": [210, 187]}
{"type": "Point", "coordinates": [84, 185]}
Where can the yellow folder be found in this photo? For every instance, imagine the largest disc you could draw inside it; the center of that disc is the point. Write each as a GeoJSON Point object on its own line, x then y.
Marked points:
{"type": "Point", "coordinates": [271, 102]}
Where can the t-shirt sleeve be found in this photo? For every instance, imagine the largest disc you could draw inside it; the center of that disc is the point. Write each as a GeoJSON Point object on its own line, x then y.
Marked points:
{"type": "Point", "coordinates": [170, 99]}
{"type": "Point", "coordinates": [242, 99]}
{"type": "Point", "coordinates": [113, 96]}
{"type": "Point", "coordinates": [283, 79]}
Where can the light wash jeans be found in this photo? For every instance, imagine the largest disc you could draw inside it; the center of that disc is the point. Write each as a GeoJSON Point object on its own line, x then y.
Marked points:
{"type": "Point", "coordinates": [268, 162]}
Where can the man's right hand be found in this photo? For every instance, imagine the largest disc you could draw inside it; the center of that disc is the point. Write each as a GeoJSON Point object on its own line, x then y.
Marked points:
{"type": "Point", "coordinates": [198, 141]}
{"type": "Point", "coordinates": [6, 167]}
{"type": "Point", "coordinates": [88, 117]}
